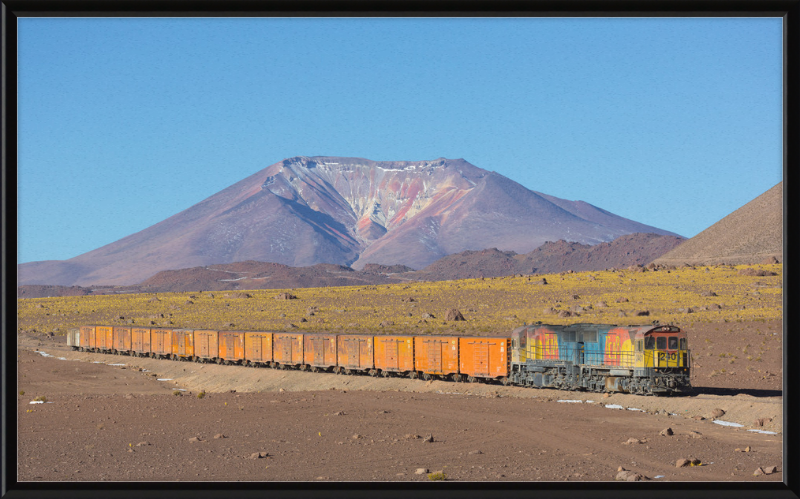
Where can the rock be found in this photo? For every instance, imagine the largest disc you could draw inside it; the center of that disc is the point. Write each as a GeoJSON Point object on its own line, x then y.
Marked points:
{"type": "Point", "coordinates": [628, 476]}
{"type": "Point", "coordinates": [220, 435]}
{"type": "Point", "coordinates": [747, 449]}
{"type": "Point", "coordinates": [454, 315]}
{"type": "Point", "coordinates": [680, 463]}
{"type": "Point", "coordinates": [428, 438]}
{"type": "Point", "coordinates": [762, 421]}
{"type": "Point", "coordinates": [142, 444]}
{"type": "Point", "coordinates": [285, 296]}
{"type": "Point", "coordinates": [695, 434]}
{"type": "Point", "coordinates": [357, 436]}
{"type": "Point", "coordinates": [699, 418]}
{"type": "Point", "coordinates": [565, 313]}
{"type": "Point", "coordinates": [642, 313]}
{"type": "Point", "coordinates": [759, 471]}
{"type": "Point", "coordinates": [428, 316]}
{"type": "Point", "coordinates": [717, 413]}
{"type": "Point", "coordinates": [708, 293]}
{"type": "Point", "coordinates": [622, 300]}
{"type": "Point", "coordinates": [421, 471]}
{"type": "Point", "coordinates": [339, 413]}
{"type": "Point", "coordinates": [258, 455]}
{"type": "Point", "coordinates": [770, 470]}
{"type": "Point", "coordinates": [386, 323]}
{"type": "Point", "coordinates": [195, 439]}
{"type": "Point", "coordinates": [633, 441]}
{"type": "Point", "coordinates": [475, 452]}
{"type": "Point", "coordinates": [667, 432]}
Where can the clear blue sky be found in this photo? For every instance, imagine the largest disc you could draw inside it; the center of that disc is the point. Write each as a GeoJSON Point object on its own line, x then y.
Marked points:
{"type": "Point", "coordinates": [674, 123]}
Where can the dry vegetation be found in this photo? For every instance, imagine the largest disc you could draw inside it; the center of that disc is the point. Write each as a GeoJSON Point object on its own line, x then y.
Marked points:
{"type": "Point", "coordinates": [490, 306]}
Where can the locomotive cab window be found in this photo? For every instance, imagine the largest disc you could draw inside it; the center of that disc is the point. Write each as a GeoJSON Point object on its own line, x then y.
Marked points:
{"type": "Point", "coordinates": [661, 343]}
{"type": "Point", "coordinates": [683, 344]}
{"type": "Point", "coordinates": [649, 343]}
{"type": "Point", "coordinates": [673, 342]}
{"type": "Point", "coordinates": [639, 344]}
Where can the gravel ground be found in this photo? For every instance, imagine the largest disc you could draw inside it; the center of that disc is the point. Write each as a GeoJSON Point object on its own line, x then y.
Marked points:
{"type": "Point", "coordinates": [105, 422]}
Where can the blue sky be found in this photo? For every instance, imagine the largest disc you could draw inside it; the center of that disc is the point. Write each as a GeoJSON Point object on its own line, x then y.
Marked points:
{"type": "Point", "coordinates": [122, 123]}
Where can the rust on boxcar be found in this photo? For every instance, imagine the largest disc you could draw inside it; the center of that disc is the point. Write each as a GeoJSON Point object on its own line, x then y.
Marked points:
{"type": "Point", "coordinates": [355, 352]}
{"type": "Point", "coordinates": [183, 343]}
{"type": "Point", "coordinates": [258, 347]}
{"type": "Point", "coordinates": [320, 351]}
{"type": "Point", "coordinates": [231, 346]}
{"type": "Point", "coordinates": [482, 357]}
{"type": "Point", "coordinates": [206, 344]}
{"type": "Point", "coordinates": [436, 355]}
{"type": "Point", "coordinates": [140, 341]}
{"type": "Point", "coordinates": [122, 339]}
{"type": "Point", "coordinates": [287, 349]}
{"type": "Point", "coordinates": [394, 353]}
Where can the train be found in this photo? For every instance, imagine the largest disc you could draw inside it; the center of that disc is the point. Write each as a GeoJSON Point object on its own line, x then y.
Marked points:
{"type": "Point", "coordinates": [638, 359]}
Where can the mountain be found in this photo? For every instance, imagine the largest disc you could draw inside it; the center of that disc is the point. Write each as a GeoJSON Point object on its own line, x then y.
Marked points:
{"type": "Point", "coordinates": [346, 211]}
{"type": "Point", "coordinates": [751, 234]}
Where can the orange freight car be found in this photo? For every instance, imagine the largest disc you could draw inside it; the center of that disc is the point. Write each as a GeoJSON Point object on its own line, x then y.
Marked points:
{"type": "Point", "coordinates": [206, 345]}
{"type": "Point", "coordinates": [182, 343]}
{"type": "Point", "coordinates": [354, 352]}
{"type": "Point", "coordinates": [122, 339]}
{"type": "Point", "coordinates": [436, 356]}
{"type": "Point", "coordinates": [87, 338]}
{"type": "Point", "coordinates": [258, 348]}
{"type": "Point", "coordinates": [319, 352]}
{"type": "Point", "coordinates": [104, 338]}
{"type": "Point", "coordinates": [287, 349]}
{"type": "Point", "coordinates": [486, 358]}
{"type": "Point", "coordinates": [394, 354]}
{"type": "Point", "coordinates": [231, 347]}
{"type": "Point", "coordinates": [161, 343]}
{"type": "Point", "coordinates": [140, 341]}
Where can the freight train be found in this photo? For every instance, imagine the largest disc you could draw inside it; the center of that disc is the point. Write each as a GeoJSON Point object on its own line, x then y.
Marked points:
{"type": "Point", "coordinates": [647, 360]}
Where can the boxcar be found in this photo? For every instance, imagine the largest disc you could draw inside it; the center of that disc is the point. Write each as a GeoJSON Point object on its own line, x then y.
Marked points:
{"type": "Point", "coordinates": [140, 341]}
{"type": "Point", "coordinates": [87, 338]}
{"type": "Point", "coordinates": [394, 354]}
{"type": "Point", "coordinates": [122, 339]}
{"type": "Point", "coordinates": [319, 352]}
{"type": "Point", "coordinates": [436, 356]}
{"type": "Point", "coordinates": [287, 350]}
{"type": "Point", "coordinates": [484, 357]}
{"type": "Point", "coordinates": [161, 343]}
{"type": "Point", "coordinates": [258, 348]}
{"type": "Point", "coordinates": [74, 338]}
{"type": "Point", "coordinates": [104, 338]}
{"type": "Point", "coordinates": [206, 345]}
{"type": "Point", "coordinates": [354, 352]}
{"type": "Point", "coordinates": [183, 343]}
{"type": "Point", "coordinates": [231, 347]}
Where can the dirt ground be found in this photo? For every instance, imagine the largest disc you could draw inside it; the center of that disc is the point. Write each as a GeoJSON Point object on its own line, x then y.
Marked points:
{"type": "Point", "coordinates": [143, 420]}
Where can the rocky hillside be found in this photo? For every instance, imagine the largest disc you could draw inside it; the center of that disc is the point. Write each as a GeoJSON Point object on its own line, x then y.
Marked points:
{"type": "Point", "coordinates": [552, 257]}
{"type": "Point", "coordinates": [751, 234]}
{"type": "Point", "coordinates": [304, 211]}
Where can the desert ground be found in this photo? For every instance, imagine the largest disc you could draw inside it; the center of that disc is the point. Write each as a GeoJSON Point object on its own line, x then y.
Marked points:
{"type": "Point", "coordinates": [118, 418]}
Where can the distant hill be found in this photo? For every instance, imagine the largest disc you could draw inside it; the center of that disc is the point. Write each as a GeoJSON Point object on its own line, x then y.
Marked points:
{"type": "Point", "coordinates": [552, 257]}
{"type": "Point", "coordinates": [304, 211]}
{"type": "Point", "coordinates": [751, 234]}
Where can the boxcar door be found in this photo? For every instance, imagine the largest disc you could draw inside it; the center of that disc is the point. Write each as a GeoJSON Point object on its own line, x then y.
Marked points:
{"type": "Point", "coordinates": [481, 357]}
{"type": "Point", "coordinates": [435, 355]}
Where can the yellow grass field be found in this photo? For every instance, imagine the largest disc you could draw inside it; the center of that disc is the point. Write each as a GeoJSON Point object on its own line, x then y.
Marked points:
{"type": "Point", "coordinates": [490, 306]}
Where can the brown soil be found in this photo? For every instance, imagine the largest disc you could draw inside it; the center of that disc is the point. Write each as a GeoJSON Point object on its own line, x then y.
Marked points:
{"type": "Point", "coordinates": [120, 423]}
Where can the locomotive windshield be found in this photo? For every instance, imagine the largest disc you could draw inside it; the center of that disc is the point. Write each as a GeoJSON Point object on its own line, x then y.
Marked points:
{"type": "Point", "coordinates": [673, 342]}
{"type": "Point", "coordinates": [649, 343]}
{"type": "Point", "coordinates": [661, 343]}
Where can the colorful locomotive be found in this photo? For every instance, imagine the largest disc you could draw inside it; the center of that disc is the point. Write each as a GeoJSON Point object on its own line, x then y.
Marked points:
{"type": "Point", "coordinates": [596, 357]}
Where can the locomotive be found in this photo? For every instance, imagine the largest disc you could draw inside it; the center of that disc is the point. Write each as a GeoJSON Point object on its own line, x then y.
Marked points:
{"type": "Point", "coordinates": [645, 360]}
{"type": "Point", "coordinates": [601, 358]}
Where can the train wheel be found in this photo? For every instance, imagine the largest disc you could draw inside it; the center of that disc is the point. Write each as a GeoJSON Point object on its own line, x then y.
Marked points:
{"type": "Point", "coordinates": [413, 375]}
{"type": "Point", "coordinates": [426, 376]}
{"type": "Point", "coordinates": [385, 374]}
{"type": "Point", "coordinates": [505, 381]}
{"type": "Point", "coordinates": [472, 379]}
{"type": "Point", "coordinates": [456, 378]}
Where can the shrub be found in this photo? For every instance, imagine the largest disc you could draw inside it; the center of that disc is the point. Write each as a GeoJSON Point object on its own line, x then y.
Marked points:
{"type": "Point", "coordinates": [201, 394]}
{"type": "Point", "coordinates": [437, 475]}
